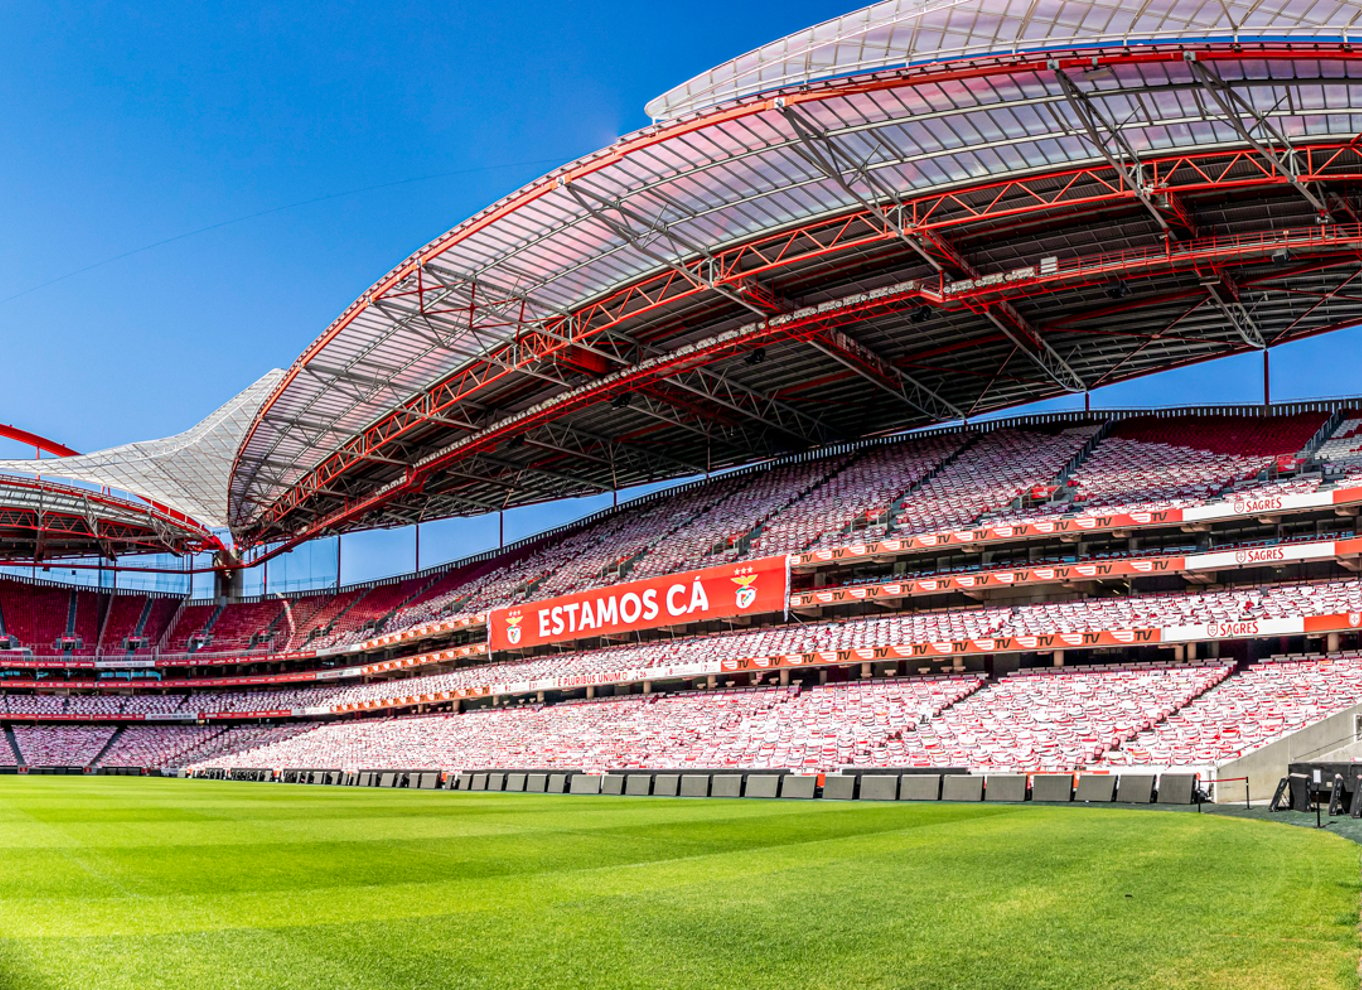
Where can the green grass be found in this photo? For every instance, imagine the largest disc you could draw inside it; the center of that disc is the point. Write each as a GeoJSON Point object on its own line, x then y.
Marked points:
{"type": "Point", "coordinates": [120, 882]}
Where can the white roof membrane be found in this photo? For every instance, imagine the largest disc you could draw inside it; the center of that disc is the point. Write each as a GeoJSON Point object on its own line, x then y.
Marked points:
{"type": "Point", "coordinates": [187, 472]}
{"type": "Point", "coordinates": [903, 32]}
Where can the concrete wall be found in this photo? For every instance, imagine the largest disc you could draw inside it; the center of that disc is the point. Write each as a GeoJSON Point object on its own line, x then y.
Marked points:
{"type": "Point", "coordinates": [1330, 739]}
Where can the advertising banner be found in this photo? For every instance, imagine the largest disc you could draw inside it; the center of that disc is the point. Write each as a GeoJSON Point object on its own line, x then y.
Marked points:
{"type": "Point", "coordinates": [987, 580]}
{"type": "Point", "coordinates": [425, 630]}
{"type": "Point", "coordinates": [1097, 570]}
{"type": "Point", "coordinates": [1240, 506]}
{"type": "Point", "coordinates": [749, 587]}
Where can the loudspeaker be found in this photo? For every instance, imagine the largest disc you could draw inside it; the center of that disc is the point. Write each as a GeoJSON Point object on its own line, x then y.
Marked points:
{"type": "Point", "coordinates": [1279, 795]}
{"type": "Point", "coordinates": [1300, 792]}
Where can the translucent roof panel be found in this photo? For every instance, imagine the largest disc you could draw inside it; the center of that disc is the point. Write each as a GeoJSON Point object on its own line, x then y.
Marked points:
{"type": "Point", "coordinates": [187, 472]}
{"type": "Point", "coordinates": [904, 32]}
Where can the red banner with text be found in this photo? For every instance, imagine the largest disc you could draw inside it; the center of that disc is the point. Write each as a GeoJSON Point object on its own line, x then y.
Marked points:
{"type": "Point", "coordinates": [748, 587]}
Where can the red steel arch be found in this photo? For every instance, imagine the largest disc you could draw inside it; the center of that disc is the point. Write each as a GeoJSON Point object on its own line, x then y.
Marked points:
{"type": "Point", "coordinates": [34, 440]}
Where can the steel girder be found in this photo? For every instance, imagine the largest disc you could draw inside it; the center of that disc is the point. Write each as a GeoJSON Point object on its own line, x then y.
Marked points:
{"type": "Point", "coordinates": [1109, 141]}
{"type": "Point", "coordinates": [35, 441]}
{"type": "Point", "coordinates": [746, 292]}
{"type": "Point", "coordinates": [1007, 201]}
{"type": "Point", "coordinates": [1263, 136]}
{"type": "Point", "coordinates": [79, 529]}
{"type": "Point", "coordinates": [1223, 293]}
{"type": "Point", "coordinates": [1182, 256]}
{"type": "Point", "coordinates": [634, 228]}
{"type": "Point", "coordinates": [823, 151]}
{"type": "Point", "coordinates": [685, 367]}
{"type": "Point", "coordinates": [883, 374]}
{"type": "Point", "coordinates": [969, 294]}
{"type": "Point", "coordinates": [747, 107]}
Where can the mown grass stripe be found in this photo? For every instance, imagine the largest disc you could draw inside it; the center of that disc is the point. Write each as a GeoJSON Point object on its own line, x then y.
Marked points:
{"type": "Point", "coordinates": [121, 882]}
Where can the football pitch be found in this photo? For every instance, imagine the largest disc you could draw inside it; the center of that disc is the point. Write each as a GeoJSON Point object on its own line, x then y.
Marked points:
{"type": "Point", "coordinates": [110, 882]}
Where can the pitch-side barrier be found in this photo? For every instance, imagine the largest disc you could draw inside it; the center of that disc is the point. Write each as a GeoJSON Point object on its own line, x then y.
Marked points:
{"type": "Point", "coordinates": [915, 784]}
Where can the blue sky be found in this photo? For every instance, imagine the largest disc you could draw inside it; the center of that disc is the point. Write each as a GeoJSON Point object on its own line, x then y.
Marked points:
{"type": "Point", "coordinates": [191, 192]}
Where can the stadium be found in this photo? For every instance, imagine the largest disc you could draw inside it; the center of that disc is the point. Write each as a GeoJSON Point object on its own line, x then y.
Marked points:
{"type": "Point", "coordinates": [888, 679]}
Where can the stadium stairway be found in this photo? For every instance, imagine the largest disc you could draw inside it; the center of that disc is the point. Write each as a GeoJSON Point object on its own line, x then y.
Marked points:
{"type": "Point", "coordinates": [1059, 481]}
{"type": "Point", "coordinates": [1079, 458]}
{"type": "Point", "coordinates": [380, 622]}
{"type": "Point", "coordinates": [270, 633]}
{"type": "Point", "coordinates": [957, 718]}
{"type": "Point", "coordinates": [205, 635]}
{"type": "Point", "coordinates": [318, 633]}
{"type": "Point", "coordinates": [14, 747]}
{"type": "Point", "coordinates": [141, 627]}
{"type": "Point", "coordinates": [104, 618]}
{"type": "Point", "coordinates": [163, 641]}
{"type": "Point", "coordinates": [700, 508]}
{"type": "Point", "coordinates": [744, 542]}
{"type": "Point", "coordinates": [621, 570]}
{"type": "Point", "coordinates": [105, 748]}
{"type": "Point", "coordinates": [71, 604]}
{"type": "Point", "coordinates": [1312, 446]}
{"type": "Point", "coordinates": [896, 507]}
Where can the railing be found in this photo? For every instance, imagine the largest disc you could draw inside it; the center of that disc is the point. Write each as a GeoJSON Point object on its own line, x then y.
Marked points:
{"type": "Point", "coordinates": [978, 427]}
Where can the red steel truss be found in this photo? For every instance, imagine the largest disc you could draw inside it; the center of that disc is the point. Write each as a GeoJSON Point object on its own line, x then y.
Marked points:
{"type": "Point", "coordinates": [923, 218]}
{"type": "Point", "coordinates": [1203, 253]}
{"type": "Point", "coordinates": [33, 440]}
{"type": "Point", "coordinates": [59, 516]}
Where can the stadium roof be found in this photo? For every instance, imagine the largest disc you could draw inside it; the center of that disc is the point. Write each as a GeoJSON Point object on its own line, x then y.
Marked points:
{"type": "Point", "coordinates": [979, 225]}
{"type": "Point", "coordinates": [899, 33]}
{"type": "Point", "coordinates": [185, 475]}
{"type": "Point", "coordinates": [43, 520]}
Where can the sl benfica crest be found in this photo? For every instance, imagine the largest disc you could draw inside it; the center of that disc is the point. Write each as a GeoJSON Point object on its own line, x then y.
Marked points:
{"type": "Point", "coordinates": [513, 628]}
{"type": "Point", "coordinates": [746, 595]}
